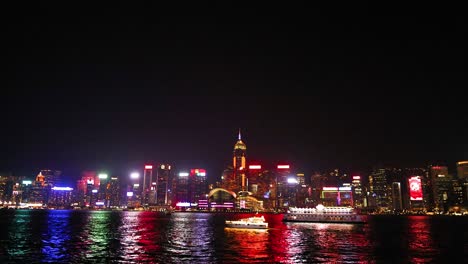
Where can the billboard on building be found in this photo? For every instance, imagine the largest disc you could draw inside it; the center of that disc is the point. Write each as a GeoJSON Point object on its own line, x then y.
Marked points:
{"type": "Point", "coordinates": [415, 188]}
{"type": "Point", "coordinates": [198, 172]}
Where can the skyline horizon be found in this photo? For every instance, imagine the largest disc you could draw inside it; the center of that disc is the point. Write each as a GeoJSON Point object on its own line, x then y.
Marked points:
{"type": "Point", "coordinates": [132, 166]}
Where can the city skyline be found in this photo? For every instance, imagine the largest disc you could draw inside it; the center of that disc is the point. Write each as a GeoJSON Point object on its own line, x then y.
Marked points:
{"type": "Point", "coordinates": [124, 171]}
{"type": "Point", "coordinates": [113, 89]}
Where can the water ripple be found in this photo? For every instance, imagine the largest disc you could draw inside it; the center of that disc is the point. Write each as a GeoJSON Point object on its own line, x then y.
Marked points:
{"type": "Point", "coordinates": [61, 236]}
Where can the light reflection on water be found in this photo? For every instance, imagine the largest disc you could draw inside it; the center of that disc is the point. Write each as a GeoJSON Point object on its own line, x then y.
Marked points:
{"type": "Point", "coordinates": [420, 242]}
{"type": "Point", "coordinates": [251, 244]}
{"type": "Point", "coordinates": [56, 237]}
{"type": "Point", "coordinates": [61, 236]}
{"type": "Point", "coordinates": [191, 238]}
{"type": "Point", "coordinates": [325, 243]}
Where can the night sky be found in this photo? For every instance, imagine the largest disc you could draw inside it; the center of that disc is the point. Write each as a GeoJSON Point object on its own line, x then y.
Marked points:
{"type": "Point", "coordinates": [113, 87]}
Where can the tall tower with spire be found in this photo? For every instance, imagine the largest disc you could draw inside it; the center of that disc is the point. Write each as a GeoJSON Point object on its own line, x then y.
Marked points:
{"type": "Point", "coordinates": [239, 163]}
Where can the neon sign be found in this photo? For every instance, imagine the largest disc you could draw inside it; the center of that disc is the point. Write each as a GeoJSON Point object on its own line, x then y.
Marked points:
{"type": "Point", "coordinates": [62, 188]}
{"type": "Point", "coordinates": [415, 188]}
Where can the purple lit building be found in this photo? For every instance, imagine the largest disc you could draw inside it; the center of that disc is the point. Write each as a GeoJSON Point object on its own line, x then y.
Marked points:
{"type": "Point", "coordinates": [60, 197]}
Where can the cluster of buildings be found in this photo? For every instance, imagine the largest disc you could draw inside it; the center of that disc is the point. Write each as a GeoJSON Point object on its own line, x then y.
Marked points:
{"type": "Point", "coordinates": [246, 186]}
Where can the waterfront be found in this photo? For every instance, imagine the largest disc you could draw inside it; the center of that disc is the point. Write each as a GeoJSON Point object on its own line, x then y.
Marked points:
{"type": "Point", "coordinates": [74, 236]}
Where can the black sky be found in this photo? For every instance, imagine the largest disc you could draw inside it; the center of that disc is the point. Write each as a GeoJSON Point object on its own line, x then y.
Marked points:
{"type": "Point", "coordinates": [114, 86]}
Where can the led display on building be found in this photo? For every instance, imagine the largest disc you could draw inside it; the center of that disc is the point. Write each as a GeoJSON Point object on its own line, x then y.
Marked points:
{"type": "Point", "coordinates": [415, 188]}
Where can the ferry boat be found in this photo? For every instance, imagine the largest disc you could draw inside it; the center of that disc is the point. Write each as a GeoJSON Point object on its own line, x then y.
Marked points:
{"type": "Point", "coordinates": [254, 222]}
{"type": "Point", "coordinates": [322, 214]}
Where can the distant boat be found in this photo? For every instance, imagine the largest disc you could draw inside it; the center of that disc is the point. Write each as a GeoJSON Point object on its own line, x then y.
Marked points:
{"type": "Point", "coordinates": [254, 222]}
{"type": "Point", "coordinates": [322, 214]}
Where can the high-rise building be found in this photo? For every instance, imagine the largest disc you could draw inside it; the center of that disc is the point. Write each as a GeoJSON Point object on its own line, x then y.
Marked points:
{"type": "Point", "coordinates": [462, 170]}
{"type": "Point", "coordinates": [239, 165]}
{"type": "Point", "coordinates": [198, 186]}
{"type": "Point", "coordinates": [11, 190]}
{"type": "Point", "coordinates": [292, 189]}
{"type": "Point", "coordinates": [253, 178]}
{"type": "Point", "coordinates": [6, 188]}
{"type": "Point", "coordinates": [39, 190]}
{"type": "Point", "coordinates": [134, 191]}
{"type": "Point", "coordinates": [317, 182]}
{"type": "Point", "coordinates": [441, 187]}
{"type": "Point", "coordinates": [380, 191]}
{"type": "Point", "coordinates": [462, 175]}
{"type": "Point", "coordinates": [149, 186]}
{"type": "Point", "coordinates": [261, 185]}
{"type": "Point", "coordinates": [51, 177]}
{"type": "Point", "coordinates": [113, 194]}
{"type": "Point", "coordinates": [458, 197]}
{"type": "Point", "coordinates": [337, 196]}
{"type": "Point", "coordinates": [282, 190]}
{"type": "Point", "coordinates": [396, 197]}
{"type": "Point", "coordinates": [163, 188]}
{"type": "Point", "coordinates": [227, 179]}
{"type": "Point", "coordinates": [26, 188]}
{"type": "Point", "coordinates": [300, 178]}
{"type": "Point", "coordinates": [87, 189]}
{"type": "Point", "coordinates": [102, 195]}
{"type": "Point", "coordinates": [181, 189]}
{"type": "Point", "coordinates": [191, 189]}
{"type": "Point", "coordinates": [303, 192]}
{"type": "Point", "coordinates": [358, 193]}
{"type": "Point", "coordinates": [60, 197]}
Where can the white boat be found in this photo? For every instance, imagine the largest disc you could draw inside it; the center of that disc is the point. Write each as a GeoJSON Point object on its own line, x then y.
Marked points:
{"type": "Point", "coordinates": [322, 214]}
{"type": "Point", "coordinates": [254, 222]}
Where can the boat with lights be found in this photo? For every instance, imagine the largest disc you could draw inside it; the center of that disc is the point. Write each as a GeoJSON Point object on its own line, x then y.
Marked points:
{"type": "Point", "coordinates": [254, 222]}
{"type": "Point", "coordinates": [322, 214]}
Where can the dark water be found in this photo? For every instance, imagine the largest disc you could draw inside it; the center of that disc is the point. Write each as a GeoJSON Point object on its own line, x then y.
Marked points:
{"type": "Point", "coordinates": [62, 236]}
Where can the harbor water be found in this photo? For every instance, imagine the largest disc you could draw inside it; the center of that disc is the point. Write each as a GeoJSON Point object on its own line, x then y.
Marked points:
{"type": "Point", "coordinates": [82, 236]}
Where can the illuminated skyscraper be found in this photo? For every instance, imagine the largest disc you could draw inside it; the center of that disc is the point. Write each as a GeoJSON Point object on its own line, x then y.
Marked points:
{"type": "Point", "coordinates": [191, 189]}
{"type": "Point", "coordinates": [380, 191]}
{"type": "Point", "coordinates": [102, 195]}
{"type": "Point", "coordinates": [462, 175]}
{"type": "Point", "coordinates": [149, 189]}
{"type": "Point", "coordinates": [163, 185]}
{"type": "Point", "coordinates": [88, 183]}
{"type": "Point", "coordinates": [60, 197]}
{"type": "Point", "coordinates": [462, 170]}
{"type": "Point", "coordinates": [51, 177]}
{"type": "Point", "coordinates": [254, 178]}
{"type": "Point", "coordinates": [198, 186]}
{"type": "Point", "coordinates": [282, 190]}
{"type": "Point", "coordinates": [181, 189]}
{"type": "Point", "coordinates": [358, 194]}
{"type": "Point", "coordinates": [113, 193]}
{"type": "Point", "coordinates": [39, 190]}
{"type": "Point", "coordinates": [396, 197]}
{"type": "Point", "coordinates": [239, 164]}
{"type": "Point", "coordinates": [11, 189]}
{"type": "Point", "coordinates": [441, 186]}
{"type": "Point", "coordinates": [300, 178]}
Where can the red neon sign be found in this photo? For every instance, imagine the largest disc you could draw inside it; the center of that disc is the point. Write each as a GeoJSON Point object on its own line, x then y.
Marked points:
{"type": "Point", "coordinates": [283, 166]}
{"type": "Point", "coordinates": [148, 167]}
{"type": "Point", "coordinates": [255, 167]}
{"type": "Point", "coordinates": [415, 189]}
{"type": "Point", "coordinates": [198, 172]}
{"type": "Point", "coordinates": [356, 177]}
